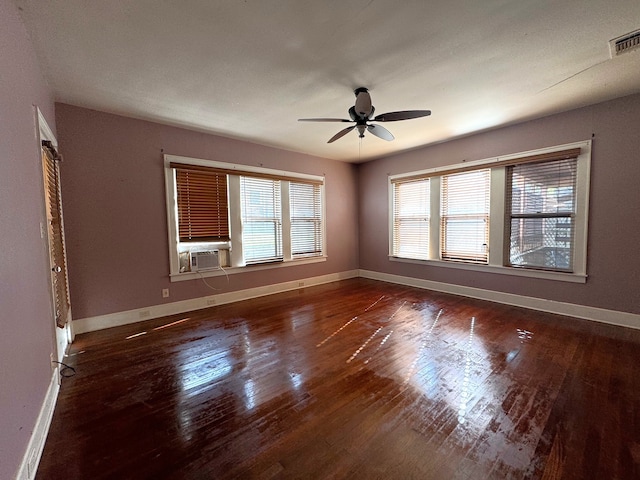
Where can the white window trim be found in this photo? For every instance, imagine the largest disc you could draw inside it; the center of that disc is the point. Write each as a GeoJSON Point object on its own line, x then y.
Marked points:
{"type": "Point", "coordinates": [497, 227]}
{"type": "Point", "coordinates": [234, 219]}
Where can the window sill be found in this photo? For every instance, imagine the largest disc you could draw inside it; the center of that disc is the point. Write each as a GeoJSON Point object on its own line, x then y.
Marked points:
{"type": "Point", "coordinates": [181, 277]}
{"type": "Point", "coordinates": [501, 270]}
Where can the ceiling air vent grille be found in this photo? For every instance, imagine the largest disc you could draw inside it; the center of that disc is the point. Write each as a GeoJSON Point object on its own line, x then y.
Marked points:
{"type": "Point", "coordinates": [625, 43]}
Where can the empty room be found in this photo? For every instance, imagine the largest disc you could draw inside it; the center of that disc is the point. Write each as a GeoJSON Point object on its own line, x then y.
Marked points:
{"type": "Point", "coordinates": [320, 240]}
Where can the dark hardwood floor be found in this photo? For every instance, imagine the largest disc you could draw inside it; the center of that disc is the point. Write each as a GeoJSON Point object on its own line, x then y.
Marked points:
{"type": "Point", "coordinates": [352, 380]}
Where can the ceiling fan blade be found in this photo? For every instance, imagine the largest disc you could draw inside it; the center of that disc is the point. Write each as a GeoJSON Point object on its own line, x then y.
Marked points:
{"type": "Point", "coordinates": [380, 132]}
{"type": "Point", "coordinates": [324, 120]}
{"type": "Point", "coordinates": [341, 134]}
{"type": "Point", "coordinates": [403, 115]}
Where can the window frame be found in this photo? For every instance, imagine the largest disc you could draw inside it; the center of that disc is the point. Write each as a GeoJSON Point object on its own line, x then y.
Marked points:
{"type": "Point", "coordinates": [498, 228]}
{"type": "Point", "coordinates": [235, 214]}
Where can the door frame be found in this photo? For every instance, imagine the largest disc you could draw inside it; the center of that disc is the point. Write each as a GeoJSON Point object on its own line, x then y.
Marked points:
{"type": "Point", "coordinates": [63, 336]}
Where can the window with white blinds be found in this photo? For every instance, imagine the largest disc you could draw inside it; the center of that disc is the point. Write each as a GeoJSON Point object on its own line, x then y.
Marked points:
{"type": "Point", "coordinates": [411, 211]}
{"type": "Point", "coordinates": [261, 219]}
{"type": "Point", "coordinates": [305, 200]}
{"type": "Point", "coordinates": [522, 214]}
{"type": "Point", "coordinates": [465, 216]}
{"type": "Point", "coordinates": [251, 216]}
{"type": "Point", "coordinates": [541, 201]}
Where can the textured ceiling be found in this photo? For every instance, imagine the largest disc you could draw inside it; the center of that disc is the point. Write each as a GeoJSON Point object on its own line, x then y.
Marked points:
{"type": "Point", "coordinates": [249, 69]}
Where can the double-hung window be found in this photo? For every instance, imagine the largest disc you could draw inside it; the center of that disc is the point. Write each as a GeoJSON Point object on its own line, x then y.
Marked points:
{"type": "Point", "coordinates": [464, 216]}
{"type": "Point", "coordinates": [305, 203]}
{"type": "Point", "coordinates": [541, 201]}
{"type": "Point", "coordinates": [246, 216]}
{"type": "Point", "coordinates": [411, 211]}
{"type": "Point", "coordinates": [522, 214]}
{"type": "Point", "coordinates": [261, 219]}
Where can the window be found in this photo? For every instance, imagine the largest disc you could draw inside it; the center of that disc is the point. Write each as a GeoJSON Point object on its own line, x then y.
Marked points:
{"type": "Point", "coordinates": [203, 212]}
{"type": "Point", "coordinates": [411, 210]}
{"type": "Point", "coordinates": [306, 219]}
{"type": "Point", "coordinates": [261, 220]}
{"type": "Point", "coordinates": [250, 215]}
{"type": "Point", "coordinates": [465, 216]}
{"type": "Point", "coordinates": [541, 202]}
{"type": "Point", "coordinates": [523, 214]}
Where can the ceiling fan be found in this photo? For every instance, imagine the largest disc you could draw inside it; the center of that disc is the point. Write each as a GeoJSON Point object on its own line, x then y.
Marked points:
{"type": "Point", "coordinates": [361, 114]}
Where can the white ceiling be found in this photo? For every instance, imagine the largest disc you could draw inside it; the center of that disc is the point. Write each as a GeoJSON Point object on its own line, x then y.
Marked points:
{"type": "Point", "coordinates": [249, 69]}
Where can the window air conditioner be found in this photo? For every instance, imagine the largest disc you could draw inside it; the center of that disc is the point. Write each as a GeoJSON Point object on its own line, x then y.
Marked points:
{"type": "Point", "coordinates": [204, 261]}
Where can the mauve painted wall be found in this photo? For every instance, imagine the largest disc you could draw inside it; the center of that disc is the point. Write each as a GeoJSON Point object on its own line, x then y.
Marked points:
{"type": "Point", "coordinates": [614, 226]}
{"type": "Point", "coordinates": [115, 216]}
{"type": "Point", "coordinates": [26, 316]}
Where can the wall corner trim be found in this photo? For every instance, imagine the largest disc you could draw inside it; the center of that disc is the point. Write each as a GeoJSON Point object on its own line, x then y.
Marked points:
{"type": "Point", "coordinates": [612, 317]}
{"type": "Point", "coordinates": [33, 454]}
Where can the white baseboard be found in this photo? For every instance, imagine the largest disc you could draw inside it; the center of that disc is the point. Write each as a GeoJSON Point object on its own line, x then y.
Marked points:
{"type": "Point", "coordinates": [90, 324]}
{"type": "Point", "coordinates": [32, 455]}
{"type": "Point", "coordinates": [612, 317]}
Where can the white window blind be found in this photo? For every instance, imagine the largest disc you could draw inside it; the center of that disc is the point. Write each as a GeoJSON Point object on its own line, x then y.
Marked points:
{"type": "Point", "coordinates": [306, 219]}
{"type": "Point", "coordinates": [261, 220]}
{"type": "Point", "coordinates": [464, 216]}
{"type": "Point", "coordinates": [541, 199]}
{"type": "Point", "coordinates": [411, 206]}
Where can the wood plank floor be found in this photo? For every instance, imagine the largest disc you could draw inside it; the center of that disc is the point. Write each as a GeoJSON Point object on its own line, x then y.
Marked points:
{"type": "Point", "coordinates": [356, 379]}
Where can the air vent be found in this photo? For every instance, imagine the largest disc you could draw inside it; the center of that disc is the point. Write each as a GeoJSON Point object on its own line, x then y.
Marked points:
{"type": "Point", "coordinates": [625, 44]}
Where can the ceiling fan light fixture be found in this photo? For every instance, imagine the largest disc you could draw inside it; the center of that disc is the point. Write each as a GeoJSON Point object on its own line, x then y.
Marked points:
{"type": "Point", "coordinates": [361, 114]}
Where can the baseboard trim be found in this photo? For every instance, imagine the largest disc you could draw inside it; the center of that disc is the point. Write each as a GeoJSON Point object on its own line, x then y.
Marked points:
{"type": "Point", "coordinates": [33, 454]}
{"type": "Point", "coordinates": [612, 317]}
{"type": "Point", "coordinates": [100, 322]}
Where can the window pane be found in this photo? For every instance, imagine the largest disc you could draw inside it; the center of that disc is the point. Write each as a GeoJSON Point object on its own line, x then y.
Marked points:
{"type": "Point", "coordinates": [261, 219]}
{"type": "Point", "coordinates": [411, 202]}
{"type": "Point", "coordinates": [306, 219]}
{"type": "Point", "coordinates": [543, 187]}
{"type": "Point", "coordinates": [542, 203]}
{"type": "Point", "coordinates": [541, 242]}
{"type": "Point", "coordinates": [465, 216]}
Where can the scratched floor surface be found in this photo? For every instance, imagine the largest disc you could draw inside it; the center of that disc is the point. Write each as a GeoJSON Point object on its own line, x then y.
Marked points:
{"type": "Point", "coordinates": [356, 379]}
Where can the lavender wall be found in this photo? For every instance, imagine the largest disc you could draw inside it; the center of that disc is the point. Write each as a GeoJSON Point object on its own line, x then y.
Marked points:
{"type": "Point", "coordinates": [614, 231]}
{"type": "Point", "coordinates": [26, 338]}
{"type": "Point", "coordinates": [115, 215]}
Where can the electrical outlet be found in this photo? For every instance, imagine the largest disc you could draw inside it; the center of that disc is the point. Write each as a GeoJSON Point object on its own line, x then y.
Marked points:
{"type": "Point", "coordinates": [144, 313]}
{"type": "Point", "coordinates": [165, 293]}
{"type": "Point", "coordinates": [211, 301]}
{"type": "Point", "coordinates": [301, 284]}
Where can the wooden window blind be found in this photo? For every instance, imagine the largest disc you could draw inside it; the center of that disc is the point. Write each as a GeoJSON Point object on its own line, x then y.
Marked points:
{"type": "Point", "coordinates": [411, 208]}
{"type": "Point", "coordinates": [51, 169]}
{"type": "Point", "coordinates": [541, 203]}
{"type": "Point", "coordinates": [261, 220]}
{"type": "Point", "coordinates": [203, 210]}
{"type": "Point", "coordinates": [305, 202]}
{"type": "Point", "coordinates": [464, 216]}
